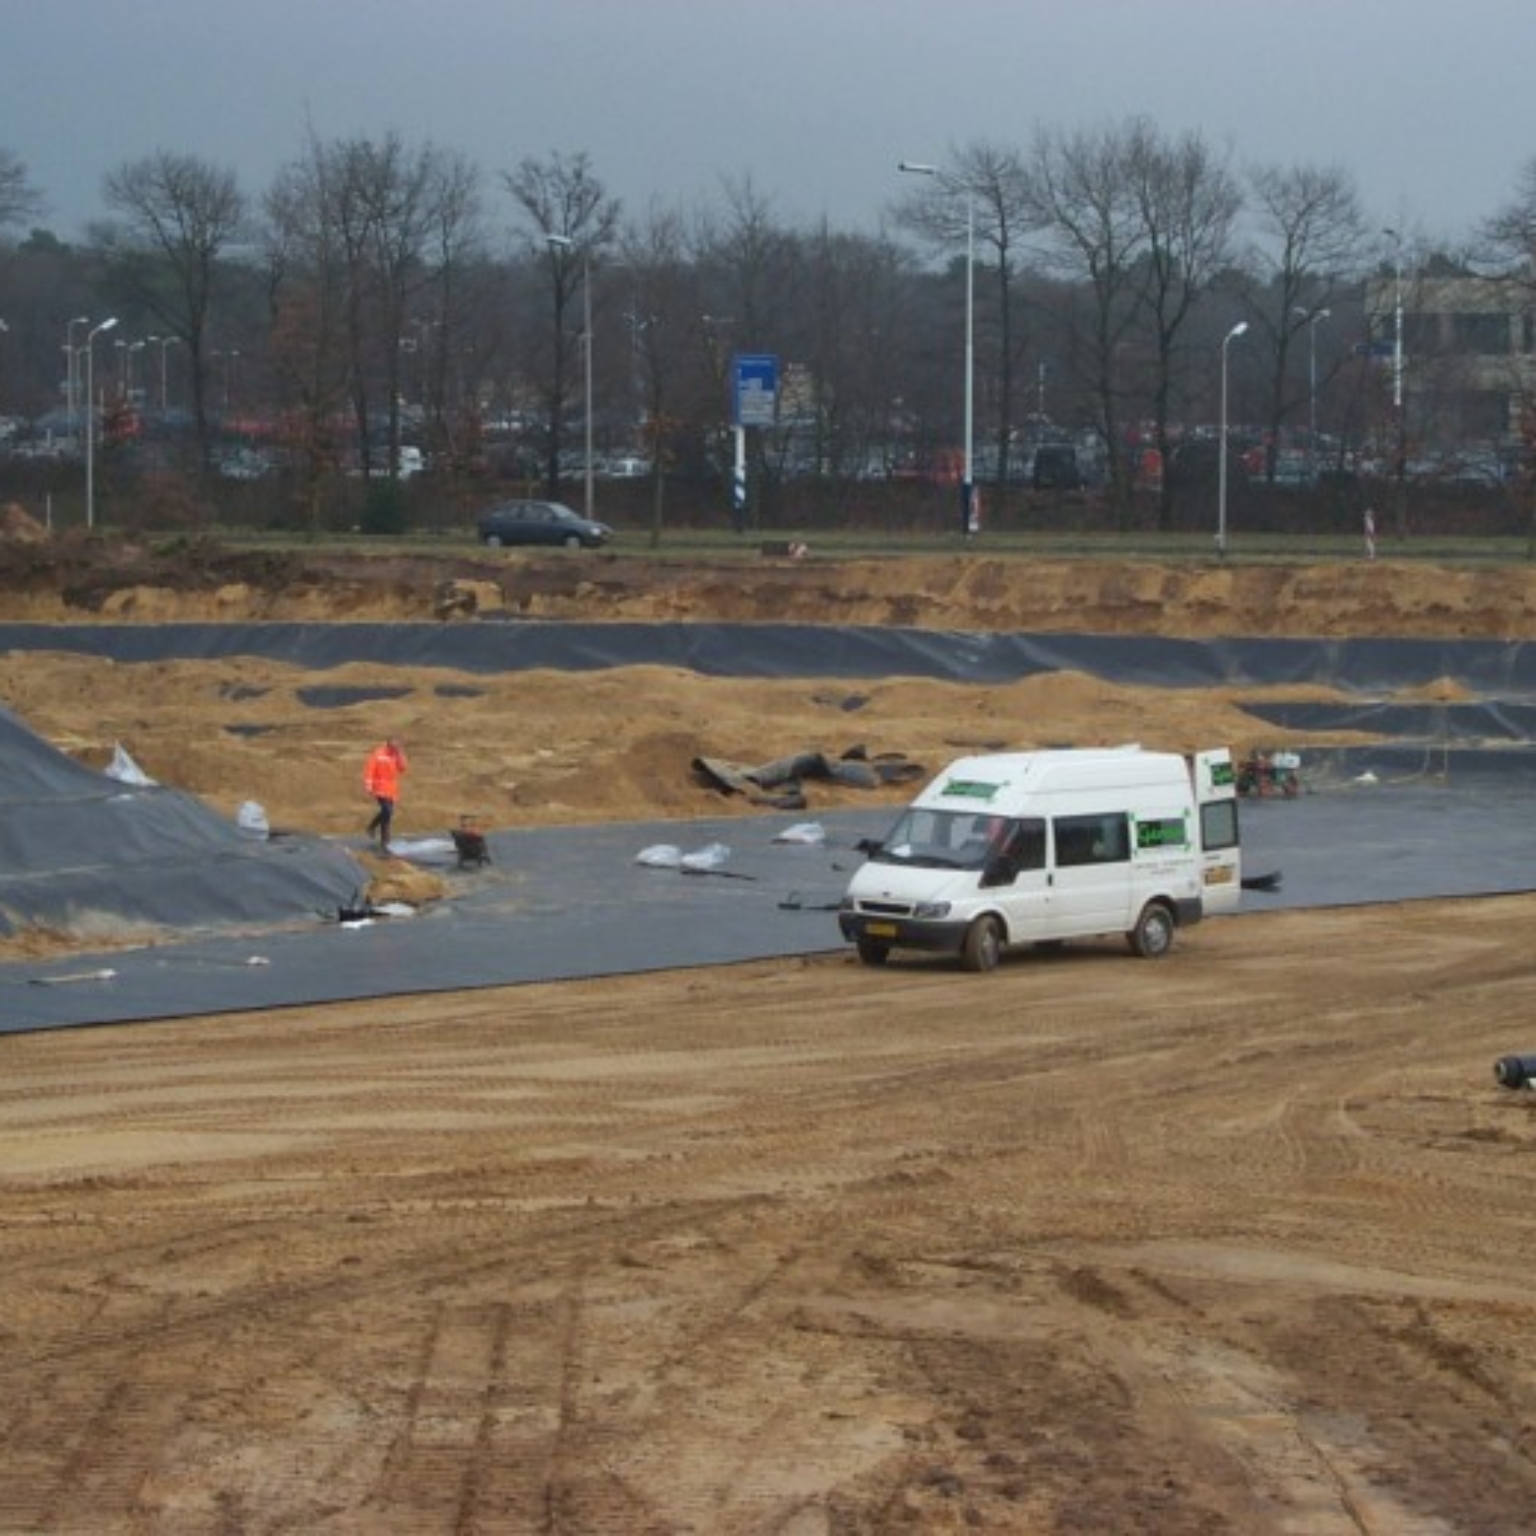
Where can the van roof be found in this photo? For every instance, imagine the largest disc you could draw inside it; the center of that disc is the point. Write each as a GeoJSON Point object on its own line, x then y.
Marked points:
{"type": "Point", "coordinates": [998, 776]}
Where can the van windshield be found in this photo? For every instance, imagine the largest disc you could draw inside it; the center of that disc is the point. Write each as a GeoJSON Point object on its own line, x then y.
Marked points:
{"type": "Point", "coordinates": [945, 839]}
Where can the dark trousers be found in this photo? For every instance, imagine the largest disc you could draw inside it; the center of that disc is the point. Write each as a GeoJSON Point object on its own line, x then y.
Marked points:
{"type": "Point", "coordinates": [382, 818]}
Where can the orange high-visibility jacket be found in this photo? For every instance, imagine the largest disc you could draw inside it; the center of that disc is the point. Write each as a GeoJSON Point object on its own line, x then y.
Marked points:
{"type": "Point", "coordinates": [381, 773]}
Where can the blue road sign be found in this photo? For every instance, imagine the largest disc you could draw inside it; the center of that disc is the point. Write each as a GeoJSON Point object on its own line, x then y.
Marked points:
{"type": "Point", "coordinates": [756, 390]}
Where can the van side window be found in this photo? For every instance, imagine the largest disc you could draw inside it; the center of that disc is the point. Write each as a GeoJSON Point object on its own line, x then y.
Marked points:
{"type": "Point", "coordinates": [1103, 839]}
{"type": "Point", "coordinates": [1025, 844]}
{"type": "Point", "coordinates": [1218, 824]}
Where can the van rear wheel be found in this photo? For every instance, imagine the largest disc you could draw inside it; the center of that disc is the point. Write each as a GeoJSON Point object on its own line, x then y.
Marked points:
{"type": "Point", "coordinates": [1152, 937]}
{"type": "Point", "coordinates": [983, 946]}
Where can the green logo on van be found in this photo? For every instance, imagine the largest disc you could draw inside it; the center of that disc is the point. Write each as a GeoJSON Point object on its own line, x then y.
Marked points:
{"type": "Point", "coordinates": [1167, 832]}
{"type": "Point", "coordinates": [971, 789]}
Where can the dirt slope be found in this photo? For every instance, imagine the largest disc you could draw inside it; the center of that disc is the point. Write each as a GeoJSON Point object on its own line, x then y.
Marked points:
{"type": "Point", "coordinates": [971, 589]}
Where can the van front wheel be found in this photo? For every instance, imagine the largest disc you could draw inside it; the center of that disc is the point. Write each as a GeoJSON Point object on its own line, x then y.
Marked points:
{"type": "Point", "coordinates": [873, 951]}
{"type": "Point", "coordinates": [1152, 937]}
{"type": "Point", "coordinates": [983, 946]}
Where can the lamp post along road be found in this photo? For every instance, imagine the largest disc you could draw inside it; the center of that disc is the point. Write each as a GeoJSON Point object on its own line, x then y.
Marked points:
{"type": "Point", "coordinates": [588, 466]}
{"type": "Point", "coordinates": [90, 419]}
{"type": "Point", "coordinates": [1221, 465]}
{"type": "Point", "coordinates": [162, 342]}
{"type": "Point", "coordinates": [1400, 425]}
{"type": "Point", "coordinates": [1312, 317]}
{"type": "Point", "coordinates": [968, 523]}
{"type": "Point", "coordinates": [1397, 320]}
{"type": "Point", "coordinates": [72, 375]}
{"type": "Point", "coordinates": [564, 242]}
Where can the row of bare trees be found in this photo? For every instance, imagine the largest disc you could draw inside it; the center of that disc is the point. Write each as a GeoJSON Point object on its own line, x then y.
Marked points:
{"type": "Point", "coordinates": [375, 274]}
{"type": "Point", "coordinates": [1141, 233]}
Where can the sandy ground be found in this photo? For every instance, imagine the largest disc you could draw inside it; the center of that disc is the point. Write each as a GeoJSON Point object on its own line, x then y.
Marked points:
{"type": "Point", "coordinates": [1240, 1241]}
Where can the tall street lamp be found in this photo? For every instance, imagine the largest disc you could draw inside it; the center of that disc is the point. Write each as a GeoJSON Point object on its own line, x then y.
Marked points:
{"type": "Point", "coordinates": [163, 342]}
{"type": "Point", "coordinates": [1400, 424]}
{"type": "Point", "coordinates": [90, 418]}
{"type": "Point", "coordinates": [72, 375]}
{"type": "Point", "coordinates": [564, 242]}
{"type": "Point", "coordinates": [968, 477]}
{"type": "Point", "coordinates": [1221, 465]}
{"type": "Point", "coordinates": [1312, 317]}
{"type": "Point", "coordinates": [126, 349]}
{"type": "Point", "coordinates": [1397, 319]}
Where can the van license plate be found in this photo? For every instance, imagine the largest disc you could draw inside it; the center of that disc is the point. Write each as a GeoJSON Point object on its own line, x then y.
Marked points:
{"type": "Point", "coordinates": [880, 930]}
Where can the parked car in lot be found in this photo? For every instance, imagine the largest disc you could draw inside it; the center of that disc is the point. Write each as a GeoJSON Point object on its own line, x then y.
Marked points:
{"type": "Point", "coordinates": [244, 464]}
{"type": "Point", "coordinates": [540, 522]}
{"type": "Point", "coordinates": [1056, 468]}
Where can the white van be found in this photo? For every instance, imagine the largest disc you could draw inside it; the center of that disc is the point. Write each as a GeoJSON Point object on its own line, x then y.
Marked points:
{"type": "Point", "coordinates": [1035, 847]}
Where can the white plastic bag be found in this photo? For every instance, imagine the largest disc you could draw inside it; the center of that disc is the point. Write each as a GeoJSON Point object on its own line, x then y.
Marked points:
{"type": "Point", "coordinates": [124, 769]}
{"type": "Point", "coordinates": [660, 856]}
{"type": "Point", "coordinates": [811, 833]}
{"type": "Point", "coordinates": [252, 820]}
{"type": "Point", "coordinates": [710, 856]}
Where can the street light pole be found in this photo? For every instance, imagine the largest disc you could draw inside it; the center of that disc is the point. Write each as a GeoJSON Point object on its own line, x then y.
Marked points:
{"type": "Point", "coordinates": [1397, 319]}
{"type": "Point", "coordinates": [566, 243]}
{"type": "Point", "coordinates": [1400, 424]}
{"type": "Point", "coordinates": [586, 369]}
{"type": "Point", "coordinates": [72, 374]}
{"type": "Point", "coordinates": [129, 348]}
{"type": "Point", "coordinates": [1221, 466]}
{"type": "Point", "coordinates": [968, 522]}
{"type": "Point", "coordinates": [90, 419]}
{"type": "Point", "coordinates": [1312, 318]}
{"type": "Point", "coordinates": [162, 342]}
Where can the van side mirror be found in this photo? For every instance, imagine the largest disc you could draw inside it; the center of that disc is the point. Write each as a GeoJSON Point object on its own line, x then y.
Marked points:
{"type": "Point", "coordinates": [869, 845]}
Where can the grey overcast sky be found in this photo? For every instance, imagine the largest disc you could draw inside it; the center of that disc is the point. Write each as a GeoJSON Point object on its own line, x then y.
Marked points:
{"type": "Point", "coordinates": [1427, 103]}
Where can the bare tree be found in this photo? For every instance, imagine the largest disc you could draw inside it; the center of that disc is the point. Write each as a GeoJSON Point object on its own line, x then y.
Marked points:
{"type": "Point", "coordinates": [1310, 231]}
{"type": "Point", "coordinates": [1508, 239]}
{"type": "Point", "coordinates": [454, 245]}
{"type": "Point", "coordinates": [753, 257]}
{"type": "Point", "coordinates": [570, 221]}
{"type": "Point", "coordinates": [662, 318]}
{"type": "Point", "coordinates": [1188, 202]}
{"type": "Point", "coordinates": [416, 206]}
{"type": "Point", "coordinates": [1509, 235]}
{"type": "Point", "coordinates": [360, 232]}
{"type": "Point", "coordinates": [180, 215]}
{"type": "Point", "coordinates": [992, 181]}
{"type": "Point", "coordinates": [307, 287]}
{"type": "Point", "coordinates": [854, 289]}
{"type": "Point", "coordinates": [1082, 196]}
{"type": "Point", "coordinates": [19, 199]}
{"type": "Point", "coordinates": [752, 275]}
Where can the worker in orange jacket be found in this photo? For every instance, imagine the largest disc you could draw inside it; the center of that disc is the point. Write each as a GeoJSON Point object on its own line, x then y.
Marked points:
{"type": "Point", "coordinates": [382, 773]}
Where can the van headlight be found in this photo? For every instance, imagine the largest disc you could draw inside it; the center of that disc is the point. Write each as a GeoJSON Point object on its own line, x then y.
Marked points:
{"type": "Point", "coordinates": [931, 909]}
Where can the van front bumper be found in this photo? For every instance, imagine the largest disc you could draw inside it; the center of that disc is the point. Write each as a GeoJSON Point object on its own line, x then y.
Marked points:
{"type": "Point", "coordinates": [937, 934]}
